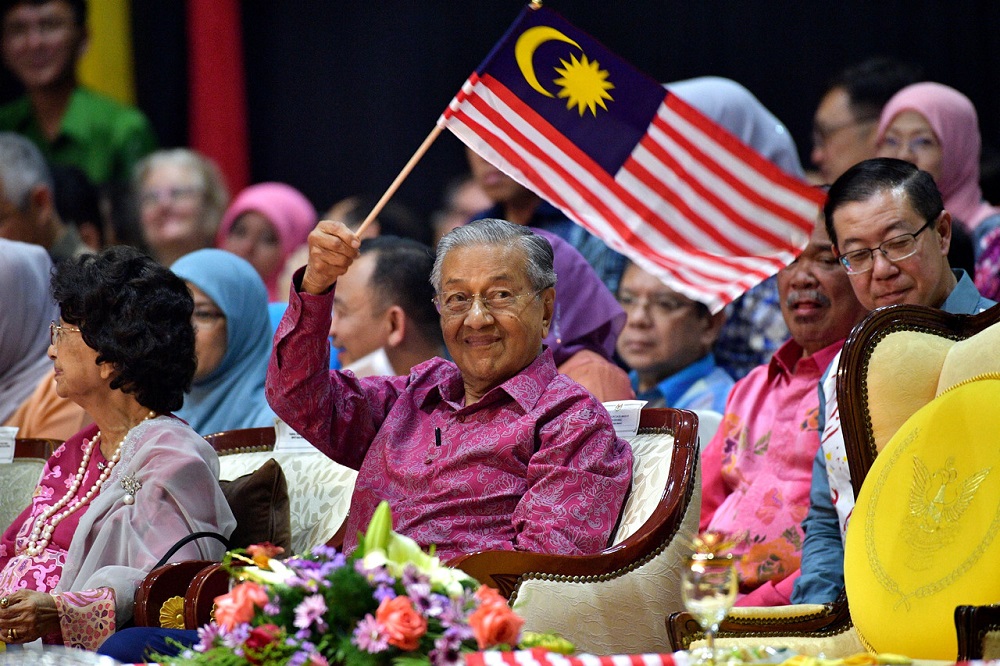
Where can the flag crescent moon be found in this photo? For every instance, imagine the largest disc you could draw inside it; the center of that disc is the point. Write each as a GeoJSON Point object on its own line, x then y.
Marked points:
{"type": "Point", "coordinates": [524, 51]}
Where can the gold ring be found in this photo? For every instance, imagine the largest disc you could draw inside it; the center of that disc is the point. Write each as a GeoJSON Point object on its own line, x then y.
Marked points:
{"type": "Point", "coordinates": [11, 635]}
{"type": "Point", "coordinates": [4, 602]}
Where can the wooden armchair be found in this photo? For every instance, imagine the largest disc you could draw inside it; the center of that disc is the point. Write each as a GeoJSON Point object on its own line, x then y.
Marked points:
{"type": "Point", "coordinates": [181, 594]}
{"type": "Point", "coordinates": [894, 362]}
{"type": "Point", "coordinates": [613, 602]}
{"type": "Point", "coordinates": [19, 478]}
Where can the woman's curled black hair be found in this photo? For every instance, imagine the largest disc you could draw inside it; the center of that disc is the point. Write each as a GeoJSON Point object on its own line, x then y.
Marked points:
{"type": "Point", "coordinates": [137, 315]}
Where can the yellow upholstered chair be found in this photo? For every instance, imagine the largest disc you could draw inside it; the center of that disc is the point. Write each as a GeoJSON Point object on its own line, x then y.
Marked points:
{"type": "Point", "coordinates": [894, 363]}
{"type": "Point", "coordinates": [614, 602]}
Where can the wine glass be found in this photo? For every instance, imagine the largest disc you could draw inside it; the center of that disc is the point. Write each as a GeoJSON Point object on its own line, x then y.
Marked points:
{"type": "Point", "coordinates": [708, 588]}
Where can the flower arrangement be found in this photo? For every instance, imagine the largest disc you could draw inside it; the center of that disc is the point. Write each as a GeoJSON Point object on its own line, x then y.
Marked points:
{"type": "Point", "coordinates": [387, 603]}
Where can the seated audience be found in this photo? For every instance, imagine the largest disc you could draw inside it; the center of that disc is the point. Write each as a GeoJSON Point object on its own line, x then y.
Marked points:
{"type": "Point", "coordinates": [77, 202]}
{"type": "Point", "coordinates": [891, 232]}
{"type": "Point", "coordinates": [667, 342]}
{"type": "Point", "coordinates": [27, 311]}
{"type": "Point", "coordinates": [181, 197]}
{"type": "Point", "coordinates": [754, 328]}
{"type": "Point", "coordinates": [936, 128]}
{"type": "Point", "coordinates": [463, 198]}
{"type": "Point", "coordinates": [495, 450]}
{"type": "Point", "coordinates": [232, 343]}
{"type": "Point", "coordinates": [117, 495]}
{"type": "Point", "coordinates": [395, 218]}
{"type": "Point", "coordinates": [516, 203]}
{"type": "Point", "coordinates": [265, 224]}
{"type": "Point", "coordinates": [757, 469]}
{"type": "Point", "coordinates": [42, 42]}
{"type": "Point", "coordinates": [847, 115]}
{"type": "Point", "coordinates": [586, 322]}
{"type": "Point", "coordinates": [27, 201]}
{"type": "Point", "coordinates": [384, 321]}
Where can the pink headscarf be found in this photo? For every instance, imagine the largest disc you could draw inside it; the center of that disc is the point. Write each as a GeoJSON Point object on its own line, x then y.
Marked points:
{"type": "Point", "coordinates": [287, 209]}
{"type": "Point", "coordinates": [953, 118]}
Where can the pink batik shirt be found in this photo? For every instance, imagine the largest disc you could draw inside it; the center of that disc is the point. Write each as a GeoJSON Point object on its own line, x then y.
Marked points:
{"type": "Point", "coordinates": [757, 470]}
{"type": "Point", "coordinates": [534, 465]}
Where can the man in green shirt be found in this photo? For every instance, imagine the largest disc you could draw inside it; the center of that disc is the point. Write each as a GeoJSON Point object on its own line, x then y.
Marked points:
{"type": "Point", "coordinates": [41, 42]}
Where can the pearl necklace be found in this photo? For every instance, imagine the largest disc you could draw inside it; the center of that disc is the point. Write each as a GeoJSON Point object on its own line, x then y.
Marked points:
{"type": "Point", "coordinates": [46, 523]}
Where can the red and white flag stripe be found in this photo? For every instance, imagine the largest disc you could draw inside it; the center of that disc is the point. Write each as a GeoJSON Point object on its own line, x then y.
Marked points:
{"type": "Point", "coordinates": [691, 204]}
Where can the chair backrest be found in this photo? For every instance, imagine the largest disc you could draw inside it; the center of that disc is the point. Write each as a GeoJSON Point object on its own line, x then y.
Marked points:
{"type": "Point", "coordinates": [319, 489]}
{"type": "Point", "coordinates": [896, 361]}
{"type": "Point", "coordinates": [19, 478]}
{"type": "Point", "coordinates": [614, 602]}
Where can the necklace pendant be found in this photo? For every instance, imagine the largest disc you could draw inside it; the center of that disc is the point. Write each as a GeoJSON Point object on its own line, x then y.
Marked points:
{"type": "Point", "coordinates": [100, 466]}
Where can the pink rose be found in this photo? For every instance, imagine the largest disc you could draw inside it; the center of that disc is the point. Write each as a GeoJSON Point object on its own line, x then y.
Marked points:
{"type": "Point", "coordinates": [237, 607]}
{"type": "Point", "coordinates": [494, 623]}
{"type": "Point", "coordinates": [401, 622]}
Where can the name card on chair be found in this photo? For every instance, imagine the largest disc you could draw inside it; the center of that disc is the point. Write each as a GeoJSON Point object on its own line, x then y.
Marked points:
{"type": "Point", "coordinates": [625, 416]}
{"type": "Point", "coordinates": [286, 439]}
{"type": "Point", "coordinates": [7, 435]}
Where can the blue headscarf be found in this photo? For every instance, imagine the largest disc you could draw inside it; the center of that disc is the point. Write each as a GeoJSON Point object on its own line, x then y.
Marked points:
{"type": "Point", "coordinates": [232, 395]}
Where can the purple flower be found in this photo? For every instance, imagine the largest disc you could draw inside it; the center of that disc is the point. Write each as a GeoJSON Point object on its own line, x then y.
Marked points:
{"type": "Point", "coordinates": [369, 636]}
{"type": "Point", "coordinates": [236, 638]}
{"type": "Point", "coordinates": [454, 611]}
{"type": "Point", "coordinates": [457, 633]}
{"type": "Point", "coordinates": [419, 592]}
{"type": "Point", "coordinates": [376, 576]}
{"type": "Point", "coordinates": [298, 659]}
{"type": "Point", "coordinates": [413, 576]}
{"type": "Point", "coordinates": [207, 635]}
{"type": "Point", "coordinates": [384, 592]}
{"type": "Point", "coordinates": [309, 611]}
{"type": "Point", "coordinates": [326, 553]}
{"type": "Point", "coordinates": [445, 653]}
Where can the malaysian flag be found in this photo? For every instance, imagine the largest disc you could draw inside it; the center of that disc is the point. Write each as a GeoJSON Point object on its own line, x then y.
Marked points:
{"type": "Point", "coordinates": [633, 164]}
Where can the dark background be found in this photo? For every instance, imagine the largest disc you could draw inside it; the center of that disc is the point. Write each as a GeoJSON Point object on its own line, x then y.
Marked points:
{"type": "Point", "coordinates": [341, 93]}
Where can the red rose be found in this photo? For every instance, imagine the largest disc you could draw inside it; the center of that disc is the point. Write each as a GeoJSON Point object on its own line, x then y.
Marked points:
{"type": "Point", "coordinates": [261, 637]}
{"type": "Point", "coordinates": [402, 623]}
{"type": "Point", "coordinates": [494, 623]}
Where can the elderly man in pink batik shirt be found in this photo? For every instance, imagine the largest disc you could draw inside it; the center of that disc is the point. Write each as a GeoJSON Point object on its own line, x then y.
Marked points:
{"type": "Point", "coordinates": [495, 450]}
{"type": "Point", "coordinates": [756, 471]}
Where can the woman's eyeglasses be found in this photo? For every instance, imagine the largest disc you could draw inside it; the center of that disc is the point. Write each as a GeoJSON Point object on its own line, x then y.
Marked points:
{"type": "Point", "coordinates": [56, 331]}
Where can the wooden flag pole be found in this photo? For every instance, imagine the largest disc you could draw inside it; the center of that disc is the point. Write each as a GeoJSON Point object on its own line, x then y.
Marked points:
{"type": "Point", "coordinates": [399, 179]}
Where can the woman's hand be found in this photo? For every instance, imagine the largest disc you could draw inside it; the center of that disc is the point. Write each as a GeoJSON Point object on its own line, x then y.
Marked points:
{"type": "Point", "coordinates": [332, 249]}
{"type": "Point", "coordinates": [27, 615]}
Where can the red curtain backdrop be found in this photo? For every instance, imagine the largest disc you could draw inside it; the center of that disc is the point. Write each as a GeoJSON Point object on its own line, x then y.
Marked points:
{"type": "Point", "coordinates": [217, 109]}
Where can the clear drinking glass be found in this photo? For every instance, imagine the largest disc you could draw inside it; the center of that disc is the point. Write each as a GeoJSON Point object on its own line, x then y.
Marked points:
{"type": "Point", "coordinates": [708, 588]}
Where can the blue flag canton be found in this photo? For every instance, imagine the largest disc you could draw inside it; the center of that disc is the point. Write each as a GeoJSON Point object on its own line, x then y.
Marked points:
{"type": "Point", "coordinates": [591, 96]}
